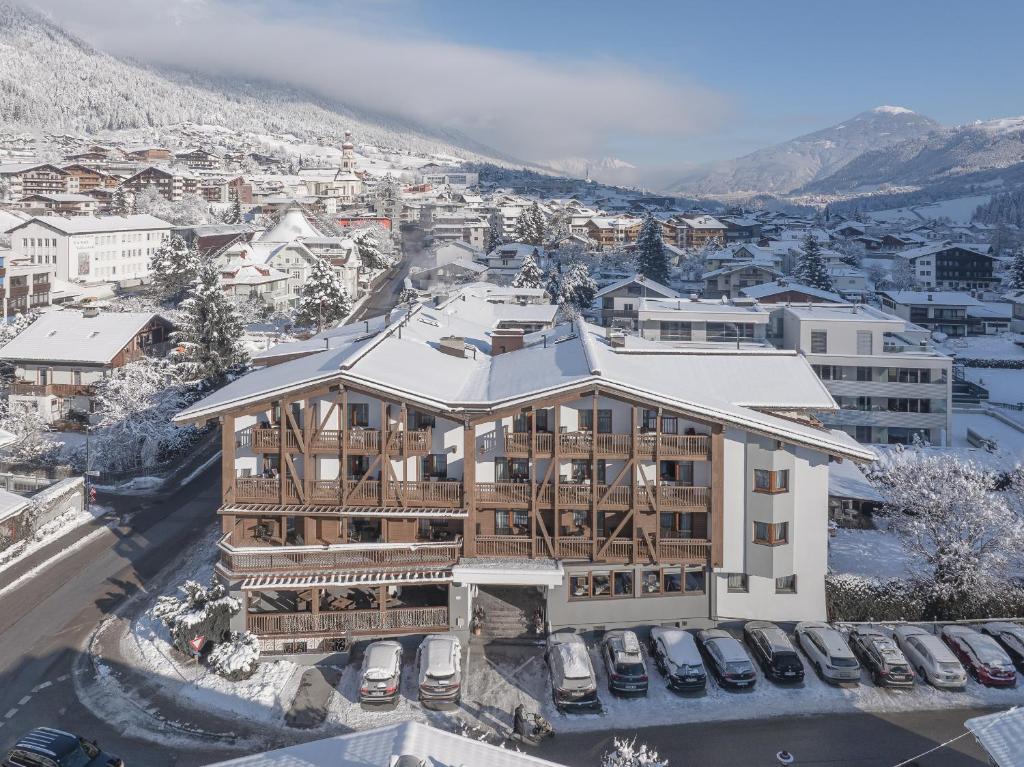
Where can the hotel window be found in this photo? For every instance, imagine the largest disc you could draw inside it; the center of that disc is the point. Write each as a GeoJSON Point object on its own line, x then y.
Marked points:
{"type": "Point", "coordinates": [738, 583]}
{"type": "Point", "coordinates": [359, 415]}
{"type": "Point", "coordinates": [819, 342]}
{"type": "Point", "coordinates": [677, 472]}
{"type": "Point", "coordinates": [622, 582]}
{"type": "Point", "coordinates": [694, 580]}
{"type": "Point", "coordinates": [771, 533]}
{"type": "Point", "coordinates": [863, 374]}
{"type": "Point", "coordinates": [435, 465]}
{"type": "Point", "coordinates": [582, 471]}
{"type": "Point", "coordinates": [604, 421]}
{"type": "Point", "coordinates": [785, 585]}
{"type": "Point", "coordinates": [767, 481]}
{"type": "Point", "coordinates": [511, 470]}
{"type": "Point", "coordinates": [418, 420]}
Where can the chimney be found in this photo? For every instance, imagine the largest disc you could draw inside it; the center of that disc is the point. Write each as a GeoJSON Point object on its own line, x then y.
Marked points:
{"type": "Point", "coordinates": [505, 340]}
{"type": "Point", "coordinates": [616, 338]}
{"type": "Point", "coordinates": [90, 311]}
{"type": "Point", "coordinates": [453, 345]}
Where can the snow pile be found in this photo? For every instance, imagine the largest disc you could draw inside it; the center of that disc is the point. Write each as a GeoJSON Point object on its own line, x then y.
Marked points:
{"type": "Point", "coordinates": [236, 658]}
{"type": "Point", "coordinates": [626, 753]}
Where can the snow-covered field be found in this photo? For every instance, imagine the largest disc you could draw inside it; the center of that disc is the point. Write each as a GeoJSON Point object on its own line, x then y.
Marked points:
{"type": "Point", "coordinates": [1000, 346]}
{"type": "Point", "coordinates": [959, 210]}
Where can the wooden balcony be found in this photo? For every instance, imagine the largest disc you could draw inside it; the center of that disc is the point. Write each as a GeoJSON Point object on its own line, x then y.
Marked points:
{"type": "Point", "coordinates": [57, 390]}
{"type": "Point", "coordinates": [397, 620]}
{"type": "Point", "coordinates": [276, 559]}
{"type": "Point", "coordinates": [670, 550]}
{"type": "Point", "coordinates": [517, 494]}
{"type": "Point", "coordinates": [689, 447]}
{"type": "Point", "coordinates": [440, 494]}
{"type": "Point", "coordinates": [359, 441]}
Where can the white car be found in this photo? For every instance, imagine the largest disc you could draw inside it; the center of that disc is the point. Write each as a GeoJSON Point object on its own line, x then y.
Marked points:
{"type": "Point", "coordinates": [828, 652]}
{"type": "Point", "coordinates": [930, 657]}
{"type": "Point", "coordinates": [381, 673]}
{"type": "Point", "coordinates": [439, 660]}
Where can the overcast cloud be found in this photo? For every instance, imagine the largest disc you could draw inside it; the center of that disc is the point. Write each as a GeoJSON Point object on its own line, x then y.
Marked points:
{"type": "Point", "coordinates": [529, 107]}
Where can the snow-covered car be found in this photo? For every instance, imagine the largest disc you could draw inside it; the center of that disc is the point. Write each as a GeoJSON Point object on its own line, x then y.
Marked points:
{"type": "Point", "coordinates": [439, 660]}
{"type": "Point", "coordinates": [677, 657]}
{"type": "Point", "coordinates": [47, 747]}
{"type": "Point", "coordinates": [880, 655]}
{"type": "Point", "coordinates": [624, 662]}
{"type": "Point", "coordinates": [828, 652]}
{"type": "Point", "coordinates": [380, 673]}
{"type": "Point", "coordinates": [573, 683]}
{"type": "Point", "coordinates": [772, 649]}
{"type": "Point", "coordinates": [727, 659]}
{"type": "Point", "coordinates": [981, 655]}
{"type": "Point", "coordinates": [930, 657]}
{"type": "Point", "coordinates": [1011, 637]}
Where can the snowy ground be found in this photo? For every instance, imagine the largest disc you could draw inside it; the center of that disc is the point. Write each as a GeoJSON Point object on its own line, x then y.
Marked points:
{"type": "Point", "coordinates": [50, 532]}
{"type": "Point", "coordinates": [960, 210]}
{"type": "Point", "coordinates": [871, 553]}
{"type": "Point", "coordinates": [1009, 439]}
{"type": "Point", "coordinates": [1003, 385]}
{"type": "Point", "coordinates": [1000, 346]}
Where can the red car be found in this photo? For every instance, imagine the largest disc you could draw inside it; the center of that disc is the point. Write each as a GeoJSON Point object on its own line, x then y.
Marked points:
{"type": "Point", "coordinates": [981, 655]}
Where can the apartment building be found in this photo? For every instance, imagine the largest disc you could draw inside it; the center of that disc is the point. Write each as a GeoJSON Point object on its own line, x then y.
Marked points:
{"type": "Point", "coordinates": [940, 311]}
{"type": "Point", "coordinates": [21, 179]}
{"type": "Point", "coordinates": [890, 384]}
{"type": "Point", "coordinates": [696, 321]}
{"type": "Point", "coordinates": [947, 266]}
{"type": "Point", "coordinates": [61, 203]}
{"type": "Point", "coordinates": [23, 285]}
{"type": "Point", "coordinates": [695, 232]}
{"type": "Point", "coordinates": [91, 248]}
{"type": "Point", "coordinates": [619, 301]}
{"type": "Point", "coordinates": [243, 280]}
{"type": "Point", "coordinates": [729, 281]}
{"type": "Point", "coordinates": [376, 485]}
{"type": "Point", "coordinates": [171, 183]}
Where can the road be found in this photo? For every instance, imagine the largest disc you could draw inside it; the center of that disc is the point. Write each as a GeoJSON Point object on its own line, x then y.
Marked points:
{"type": "Point", "coordinates": [385, 297]}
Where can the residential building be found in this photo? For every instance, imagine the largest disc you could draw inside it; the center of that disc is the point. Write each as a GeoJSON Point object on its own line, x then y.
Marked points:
{"type": "Point", "coordinates": [60, 357]}
{"type": "Point", "coordinates": [21, 179]}
{"type": "Point", "coordinates": [890, 384]}
{"type": "Point", "coordinates": [741, 229]}
{"type": "Point", "coordinates": [609, 232]}
{"type": "Point", "coordinates": [242, 279]}
{"type": "Point", "coordinates": [456, 178]}
{"type": "Point", "coordinates": [61, 203]}
{"type": "Point", "coordinates": [785, 290]}
{"type": "Point", "coordinates": [458, 271]}
{"type": "Point", "coordinates": [1017, 316]}
{"type": "Point", "coordinates": [91, 248]}
{"type": "Point", "coordinates": [149, 154]}
{"type": "Point", "coordinates": [941, 311]}
{"type": "Point", "coordinates": [702, 321]}
{"type": "Point", "coordinates": [729, 281]}
{"type": "Point", "coordinates": [849, 281]}
{"type": "Point", "coordinates": [371, 487]}
{"type": "Point", "coordinates": [171, 183]}
{"type": "Point", "coordinates": [88, 178]}
{"type": "Point", "coordinates": [199, 159]}
{"type": "Point", "coordinates": [618, 303]}
{"type": "Point", "coordinates": [947, 266]}
{"type": "Point", "coordinates": [25, 285]}
{"type": "Point", "coordinates": [695, 232]}
{"type": "Point", "coordinates": [505, 260]}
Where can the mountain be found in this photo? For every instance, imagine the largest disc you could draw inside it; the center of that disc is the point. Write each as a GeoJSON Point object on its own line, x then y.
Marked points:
{"type": "Point", "coordinates": [609, 170]}
{"type": "Point", "coordinates": [981, 152]}
{"type": "Point", "coordinates": [782, 168]}
{"type": "Point", "coordinates": [51, 80]}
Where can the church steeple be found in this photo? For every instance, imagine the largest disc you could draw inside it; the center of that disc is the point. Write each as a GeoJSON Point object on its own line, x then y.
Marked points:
{"type": "Point", "coordinates": [348, 159]}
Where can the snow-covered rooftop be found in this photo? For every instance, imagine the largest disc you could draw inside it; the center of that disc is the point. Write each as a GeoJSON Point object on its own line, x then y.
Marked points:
{"type": "Point", "coordinates": [72, 336]}
{"type": "Point", "coordinates": [643, 282]}
{"type": "Point", "coordinates": [99, 224]}
{"type": "Point", "coordinates": [846, 480]}
{"type": "Point", "coordinates": [924, 297]}
{"type": "Point", "coordinates": [767, 290]}
{"type": "Point", "coordinates": [291, 226]}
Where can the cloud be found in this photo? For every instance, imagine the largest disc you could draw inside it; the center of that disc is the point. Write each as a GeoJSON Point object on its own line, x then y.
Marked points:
{"type": "Point", "coordinates": [529, 106]}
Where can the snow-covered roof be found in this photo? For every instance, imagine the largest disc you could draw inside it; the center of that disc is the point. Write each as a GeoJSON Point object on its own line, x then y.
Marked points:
{"type": "Point", "coordinates": [1001, 735]}
{"type": "Point", "coordinates": [846, 480]}
{"type": "Point", "coordinates": [938, 247]}
{"type": "Point", "coordinates": [858, 313]}
{"type": "Point", "coordinates": [767, 290]}
{"type": "Point", "coordinates": [925, 297]}
{"type": "Point", "coordinates": [11, 504]}
{"type": "Point", "coordinates": [702, 222]}
{"type": "Point", "coordinates": [715, 309]}
{"type": "Point", "coordinates": [98, 224]}
{"type": "Point", "coordinates": [244, 271]}
{"type": "Point", "coordinates": [71, 336]}
{"type": "Point", "coordinates": [291, 226]}
{"type": "Point", "coordinates": [740, 265]}
{"type": "Point", "coordinates": [436, 747]}
{"type": "Point", "coordinates": [643, 282]}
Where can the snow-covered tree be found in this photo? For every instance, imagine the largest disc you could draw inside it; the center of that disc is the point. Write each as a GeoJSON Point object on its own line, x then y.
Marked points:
{"type": "Point", "coordinates": [495, 237]}
{"type": "Point", "coordinates": [408, 297]}
{"type": "Point", "coordinates": [323, 302]}
{"type": "Point", "coordinates": [530, 226]}
{"type": "Point", "coordinates": [209, 334]}
{"type": "Point", "coordinates": [962, 538]}
{"type": "Point", "coordinates": [626, 753]}
{"type": "Point", "coordinates": [11, 328]}
{"type": "Point", "coordinates": [651, 260]}
{"type": "Point", "coordinates": [237, 657]}
{"type": "Point", "coordinates": [173, 268]}
{"type": "Point", "coordinates": [902, 276]}
{"type": "Point", "coordinates": [553, 285]}
{"type": "Point", "coordinates": [205, 611]}
{"type": "Point", "coordinates": [1015, 274]}
{"type": "Point", "coordinates": [529, 274]}
{"type": "Point", "coordinates": [190, 210]}
{"type": "Point", "coordinates": [31, 444]}
{"type": "Point", "coordinates": [234, 213]}
{"type": "Point", "coordinates": [577, 289]}
{"type": "Point", "coordinates": [374, 248]}
{"type": "Point", "coordinates": [123, 202]}
{"type": "Point", "coordinates": [810, 267]}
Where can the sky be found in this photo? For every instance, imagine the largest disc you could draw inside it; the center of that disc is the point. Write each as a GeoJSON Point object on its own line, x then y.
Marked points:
{"type": "Point", "coordinates": [661, 84]}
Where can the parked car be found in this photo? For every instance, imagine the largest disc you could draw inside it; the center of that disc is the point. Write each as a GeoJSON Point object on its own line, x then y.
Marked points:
{"type": "Point", "coordinates": [676, 655]}
{"type": "Point", "coordinates": [1011, 637]}
{"type": "Point", "coordinates": [624, 662]}
{"type": "Point", "coordinates": [573, 683]}
{"type": "Point", "coordinates": [439, 660]}
{"type": "Point", "coordinates": [56, 748]}
{"type": "Point", "coordinates": [772, 649]}
{"type": "Point", "coordinates": [881, 657]}
{"type": "Point", "coordinates": [727, 659]}
{"type": "Point", "coordinates": [381, 672]}
{"type": "Point", "coordinates": [981, 655]}
{"type": "Point", "coordinates": [828, 652]}
{"type": "Point", "coordinates": [931, 657]}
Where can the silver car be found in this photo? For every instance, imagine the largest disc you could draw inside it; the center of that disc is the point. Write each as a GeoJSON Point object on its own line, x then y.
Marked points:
{"type": "Point", "coordinates": [380, 674]}
{"type": "Point", "coordinates": [828, 652]}
{"type": "Point", "coordinates": [930, 657]}
{"type": "Point", "coordinates": [439, 660]}
{"type": "Point", "coordinates": [573, 683]}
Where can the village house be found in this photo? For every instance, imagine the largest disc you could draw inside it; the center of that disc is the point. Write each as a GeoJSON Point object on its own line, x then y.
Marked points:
{"type": "Point", "coordinates": [618, 302]}
{"type": "Point", "coordinates": [171, 183]}
{"type": "Point", "coordinates": [61, 356]}
{"type": "Point", "coordinates": [244, 280]}
{"type": "Point", "coordinates": [695, 232]}
{"type": "Point", "coordinates": [22, 179]}
{"type": "Point", "coordinates": [199, 159]}
{"type": "Point", "coordinates": [947, 266]}
{"type": "Point", "coordinates": [61, 203]}
{"type": "Point", "coordinates": [729, 281]}
{"type": "Point", "coordinates": [941, 311]}
{"type": "Point", "coordinates": [23, 284]}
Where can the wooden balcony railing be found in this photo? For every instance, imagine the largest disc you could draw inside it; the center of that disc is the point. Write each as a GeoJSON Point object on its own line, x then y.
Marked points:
{"type": "Point", "coordinates": [57, 390]}
{"type": "Point", "coordinates": [261, 490]}
{"type": "Point", "coordinates": [681, 550]}
{"type": "Point", "coordinates": [360, 441]}
{"type": "Point", "coordinates": [694, 447]}
{"type": "Point", "coordinates": [271, 559]}
{"type": "Point", "coordinates": [518, 443]}
{"type": "Point", "coordinates": [581, 495]}
{"type": "Point", "coordinates": [504, 546]}
{"type": "Point", "coordinates": [504, 493]}
{"type": "Point", "coordinates": [397, 620]}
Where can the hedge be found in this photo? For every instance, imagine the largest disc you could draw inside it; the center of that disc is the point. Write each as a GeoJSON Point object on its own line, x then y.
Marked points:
{"type": "Point", "coordinates": [990, 363]}
{"type": "Point", "coordinates": [858, 599]}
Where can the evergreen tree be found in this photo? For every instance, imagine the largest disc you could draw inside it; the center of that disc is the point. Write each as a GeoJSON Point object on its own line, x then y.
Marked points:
{"type": "Point", "coordinates": [495, 237]}
{"type": "Point", "coordinates": [539, 225]}
{"type": "Point", "coordinates": [577, 288]}
{"type": "Point", "coordinates": [529, 275]}
{"type": "Point", "coordinates": [530, 226]}
{"type": "Point", "coordinates": [234, 215]}
{"type": "Point", "coordinates": [173, 267]}
{"type": "Point", "coordinates": [553, 286]}
{"type": "Point", "coordinates": [651, 260]}
{"type": "Point", "coordinates": [1016, 275]}
{"type": "Point", "coordinates": [209, 334]}
{"type": "Point", "coordinates": [123, 202]}
{"type": "Point", "coordinates": [810, 268]}
{"type": "Point", "coordinates": [323, 300]}
{"type": "Point", "coordinates": [374, 248]}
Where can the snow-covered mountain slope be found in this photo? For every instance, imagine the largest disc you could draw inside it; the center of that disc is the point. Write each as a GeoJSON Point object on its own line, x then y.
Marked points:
{"type": "Point", "coordinates": [940, 156]}
{"type": "Point", "coordinates": [785, 167]}
{"type": "Point", "coordinates": [610, 170]}
{"type": "Point", "coordinates": [50, 80]}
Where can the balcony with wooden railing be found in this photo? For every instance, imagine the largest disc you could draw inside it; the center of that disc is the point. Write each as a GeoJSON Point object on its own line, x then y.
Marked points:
{"type": "Point", "coordinates": [283, 558]}
{"type": "Point", "coordinates": [358, 441]}
{"type": "Point", "coordinates": [582, 548]}
{"type": "Point", "coordinates": [53, 389]}
{"type": "Point", "coordinates": [396, 620]}
{"type": "Point", "coordinates": [518, 494]}
{"type": "Point", "coordinates": [690, 447]}
{"type": "Point", "coordinates": [442, 494]}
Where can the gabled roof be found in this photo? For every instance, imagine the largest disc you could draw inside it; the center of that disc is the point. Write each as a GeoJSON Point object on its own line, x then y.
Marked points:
{"type": "Point", "coordinates": [291, 226]}
{"type": "Point", "coordinates": [938, 247]}
{"type": "Point", "coordinates": [767, 290]}
{"type": "Point", "coordinates": [644, 282]}
{"type": "Point", "coordinates": [70, 336]}
{"type": "Point", "coordinates": [927, 297]}
{"type": "Point", "coordinates": [97, 224]}
{"type": "Point", "coordinates": [739, 265]}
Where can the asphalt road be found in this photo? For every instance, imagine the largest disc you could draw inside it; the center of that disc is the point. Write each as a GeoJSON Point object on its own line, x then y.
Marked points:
{"type": "Point", "coordinates": [385, 297]}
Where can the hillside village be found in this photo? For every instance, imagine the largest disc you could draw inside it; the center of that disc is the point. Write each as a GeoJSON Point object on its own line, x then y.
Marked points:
{"type": "Point", "coordinates": [394, 442]}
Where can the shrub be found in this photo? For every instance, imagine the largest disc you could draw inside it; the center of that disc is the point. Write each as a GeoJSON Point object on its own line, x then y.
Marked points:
{"type": "Point", "coordinates": [856, 598]}
{"type": "Point", "coordinates": [205, 611]}
{"type": "Point", "coordinates": [236, 658]}
{"type": "Point", "coordinates": [1010, 364]}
